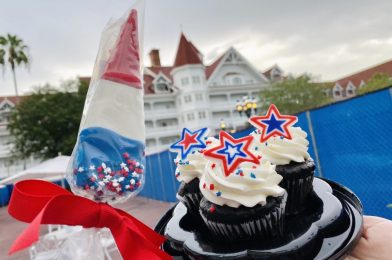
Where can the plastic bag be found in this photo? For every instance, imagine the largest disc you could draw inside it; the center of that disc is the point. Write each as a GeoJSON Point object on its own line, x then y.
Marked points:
{"type": "Point", "coordinates": [75, 243]}
{"type": "Point", "coordinates": [107, 163]}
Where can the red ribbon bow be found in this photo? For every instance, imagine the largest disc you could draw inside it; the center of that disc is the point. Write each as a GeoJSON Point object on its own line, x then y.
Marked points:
{"type": "Point", "coordinates": [41, 202]}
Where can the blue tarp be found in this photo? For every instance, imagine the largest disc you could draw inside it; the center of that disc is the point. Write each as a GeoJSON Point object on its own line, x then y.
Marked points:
{"type": "Point", "coordinates": [353, 144]}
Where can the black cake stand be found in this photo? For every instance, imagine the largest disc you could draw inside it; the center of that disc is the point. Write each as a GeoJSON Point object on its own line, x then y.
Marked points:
{"type": "Point", "coordinates": [328, 228]}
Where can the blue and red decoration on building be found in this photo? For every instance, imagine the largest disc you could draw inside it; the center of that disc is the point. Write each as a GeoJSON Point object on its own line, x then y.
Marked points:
{"type": "Point", "coordinates": [190, 141]}
{"type": "Point", "coordinates": [273, 124]}
{"type": "Point", "coordinates": [232, 152]}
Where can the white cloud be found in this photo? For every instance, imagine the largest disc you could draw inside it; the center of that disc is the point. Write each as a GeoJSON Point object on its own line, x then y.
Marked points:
{"type": "Point", "coordinates": [328, 38]}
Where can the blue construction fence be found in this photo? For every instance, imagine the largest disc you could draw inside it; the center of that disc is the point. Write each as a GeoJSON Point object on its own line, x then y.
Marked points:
{"type": "Point", "coordinates": [350, 142]}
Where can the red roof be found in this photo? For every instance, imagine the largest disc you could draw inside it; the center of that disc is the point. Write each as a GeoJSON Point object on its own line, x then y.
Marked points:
{"type": "Point", "coordinates": [148, 86]}
{"type": "Point", "coordinates": [165, 70]}
{"type": "Point", "coordinates": [365, 75]}
{"type": "Point", "coordinates": [210, 69]}
{"type": "Point", "coordinates": [14, 99]}
{"type": "Point", "coordinates": [187, 53]}
{"type": "Point", "coordinates": [267, 73]}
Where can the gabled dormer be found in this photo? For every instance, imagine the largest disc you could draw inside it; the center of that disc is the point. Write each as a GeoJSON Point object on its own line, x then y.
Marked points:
{"type": "Point", "coordinates": [362, 84]}
{"type": "Point", "coordinates": [274, 73]}
{"type": "Point", "coordinates": [162, 84]}
{"type": "Point", "coordinates": [350, 89]}
{"type": "Point", "coordinates": [337, 91]}
{"type": "Point", "coordinates": [233, 69]}
{"type": "Point", "coordinates": [6, 106]}
{"type": "Point", "coordinates": [234, 57]}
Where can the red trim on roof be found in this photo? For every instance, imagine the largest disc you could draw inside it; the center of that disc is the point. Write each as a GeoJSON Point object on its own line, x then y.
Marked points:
{"type": "Point", "coordinates": [14, 99]}
{"type": "Point", "coordinates": [365, 75]}
{"type": "Point", "coordinates": [165, 70]}
{"type": "Point", "coordinates": [187, 53]}
{"type": "Point", "coordinates": [210, 69]}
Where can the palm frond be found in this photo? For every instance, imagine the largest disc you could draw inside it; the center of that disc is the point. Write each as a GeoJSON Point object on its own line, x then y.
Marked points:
{"type": "Point", "coordinates": [2, 57]}
{"type": "Point", "coordinates": [3, 40]}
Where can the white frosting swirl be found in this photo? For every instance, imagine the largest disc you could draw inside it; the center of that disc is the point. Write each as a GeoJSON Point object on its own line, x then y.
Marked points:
{"type": "Point", "coordinates": [190, 168]}
{"type": "Point", "coordinates": [193, 166]}
{"type": "Point", "coordinates": [249, 185]}
{"type": "Point", "coordinates": [281, 151]}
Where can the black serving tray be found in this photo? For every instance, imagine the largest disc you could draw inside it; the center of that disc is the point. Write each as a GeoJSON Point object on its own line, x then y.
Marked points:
{"type": "Point", "coordinates": [328, 228]}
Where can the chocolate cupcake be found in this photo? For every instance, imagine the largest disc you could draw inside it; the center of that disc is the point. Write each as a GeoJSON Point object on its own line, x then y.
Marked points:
{"type": "Point", "coordinates": [293, 162]}
{"type": "Point", "coordinates": [188, 173]}
{"type": "Point", "coordinates": [245, 204]}
{"type": "Point", "coordinates": [190, 165]}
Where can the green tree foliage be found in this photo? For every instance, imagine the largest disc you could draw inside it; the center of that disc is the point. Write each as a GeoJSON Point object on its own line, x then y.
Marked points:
{"type": "Point", "coordinates": [294, 95]}
{"type": "Point", "coordinates": [47, 121]}
{"type": "Point", "coordinates": [378, 81]}
{"type": "Point", "coordinates": [14, 53]}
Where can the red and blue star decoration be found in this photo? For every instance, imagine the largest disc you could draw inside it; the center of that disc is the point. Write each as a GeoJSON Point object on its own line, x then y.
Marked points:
{"type": "Point", "coordinates": [190, 141]}
{"type": "Point", "coordinates": [273, 124]}
{"type": "Point", "coordinates": [232, 152]}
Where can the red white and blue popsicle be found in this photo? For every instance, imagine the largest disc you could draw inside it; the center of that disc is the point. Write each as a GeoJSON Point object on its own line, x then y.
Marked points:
{"type": "Point", "coordinates": [108, 159]}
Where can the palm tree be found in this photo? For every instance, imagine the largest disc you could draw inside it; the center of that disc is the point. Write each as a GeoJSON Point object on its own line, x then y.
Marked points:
{"type": "Point", "coordinates": [13, 50]}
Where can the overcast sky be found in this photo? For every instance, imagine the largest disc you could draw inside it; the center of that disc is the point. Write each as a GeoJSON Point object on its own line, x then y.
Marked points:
{"type": "Point", "coordinates": [329, 39]}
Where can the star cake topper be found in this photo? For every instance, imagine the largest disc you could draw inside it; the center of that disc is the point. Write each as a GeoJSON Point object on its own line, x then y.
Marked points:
{"type": "Point", "coordinates": [232, 152]}
{"type": "Point", "coordinates": [273, 124]}
{"type": "Point", "coordinates": [190, 141]}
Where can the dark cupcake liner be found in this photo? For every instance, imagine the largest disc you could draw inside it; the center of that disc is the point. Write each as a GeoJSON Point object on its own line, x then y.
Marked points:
{"type": "Point", "coordinates": [298, 191]}
{"type": "Point", "coordinates": [191, 201]}
{"type": "Point", "coordinates": [298, 182]}
{"type": "Point", "coordinates": [264, 226]}
{"type": "Point", "coordinates": [190, 195]}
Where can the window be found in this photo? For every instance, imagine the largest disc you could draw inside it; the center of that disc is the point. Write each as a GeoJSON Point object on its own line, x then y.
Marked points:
{"type": "Point", "coordinates": [199, 97]}
{"type": "Point", "coordinates": [184, 81]}
{"type": "Point", "coordinates": [188, 99]}
{"type": "Point", "coordinates": [202, 114]}
{"type": "Point", "coordinates": [162, 87]}
{"type": "Point", "coordinates": [190, 116]}
{"type": "Point", "coordinates": [350, 89]}
{"type": "Point", "coordinates": [149, 124]}
{"type": "Point", "coordinates": [337, 90]}
{"type": "Point", "coordinates": [237, 81]}
{"type": "Point", "coordinates": [234, 78]}
{"type": "Point", "coordinates": [196, 79]}
{"type": "Point", "coordinates": [151, 142]}
{"type": "Point", "coordinates": [147, 106]}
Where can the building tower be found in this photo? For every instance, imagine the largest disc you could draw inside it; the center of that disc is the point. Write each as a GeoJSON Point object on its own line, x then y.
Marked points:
{"type": "Point", "coordinates": [189, 77]}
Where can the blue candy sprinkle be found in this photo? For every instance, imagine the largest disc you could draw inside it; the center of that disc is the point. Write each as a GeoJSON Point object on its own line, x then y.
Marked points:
{"type": "Point", "coordinates": [252, 175]}
{"type": "Point", "coordinates": [218, 193]}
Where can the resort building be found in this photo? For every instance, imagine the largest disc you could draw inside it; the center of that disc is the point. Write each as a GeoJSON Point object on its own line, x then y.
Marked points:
{"type": "Point", "coordinates": [9, 165]}
{"type": "Point", "coordinates": [348, 86]}
{"type": "Point", "coordinates": [192, 94]}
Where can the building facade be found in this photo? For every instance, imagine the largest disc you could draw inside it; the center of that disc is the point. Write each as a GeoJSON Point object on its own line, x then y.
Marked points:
{"type": "Point", "coordinates": [194, 95]}
{"type": "Point", "coordinates": [187, 94]}
{"type": "Point", "coordinates": [348, 86]}
{"type": "Point", "coordinates": [9, 164]}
